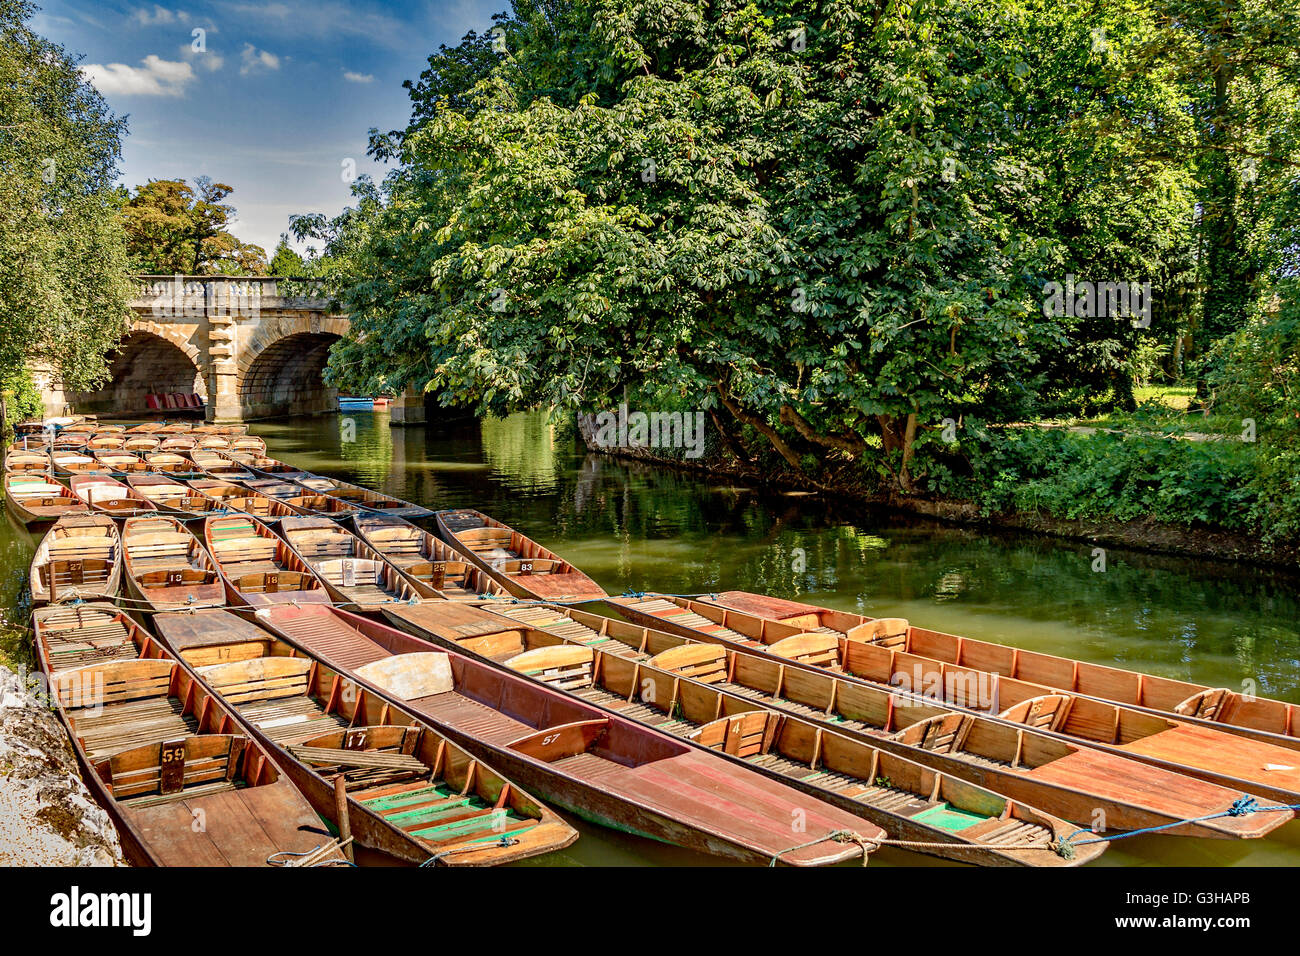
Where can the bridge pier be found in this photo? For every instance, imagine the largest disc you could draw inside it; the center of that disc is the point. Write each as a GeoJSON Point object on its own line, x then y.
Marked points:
{"type": "Point", "coordinates": [223, 398]}
{"type": "Point", "coordinates": [409, 408]}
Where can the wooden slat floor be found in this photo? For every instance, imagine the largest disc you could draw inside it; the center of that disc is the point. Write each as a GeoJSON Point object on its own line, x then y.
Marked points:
{"type": "Point", "coordinates": [330, 640]}
{"type": "Point", "coordinates": [87, 643]}
{"type": "Point", "coordinates": [472, 717]}
{"type": "Point", "coordinates": [118, 727]}
{"type": "Point", "coordinates": [545, 619]}
{"type": "Point", "coordinates": [291, 720]}
{"type": "Point", "coordinates": [666, 610]}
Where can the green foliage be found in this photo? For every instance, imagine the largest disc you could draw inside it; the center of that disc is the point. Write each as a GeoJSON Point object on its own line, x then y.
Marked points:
{"type": "Point", "coordinates": [22, 398]}
{"type": "Point", "coordinates": [286, 262]}
{"type": "Point", "coordinates": [63, 299]}
{"type": "Point", "coordinates": [764, 225]}
{"type": "Point", "coordinates": [1254, 376]}
{"type": "Point", "coordinates": [1119, 477]}
{"type": "Point", "coordinates": [172, 227]}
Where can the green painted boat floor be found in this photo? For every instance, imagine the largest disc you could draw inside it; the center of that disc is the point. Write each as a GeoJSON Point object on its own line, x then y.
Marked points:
{"type": "Point", "coordinates": [948, 818]}
{"type": "Point", "coordinates": [491, 821]}
{"type": "Point", "coordinates": [408, 797]}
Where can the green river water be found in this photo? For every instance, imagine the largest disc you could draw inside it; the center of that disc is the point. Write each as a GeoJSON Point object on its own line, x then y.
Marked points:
{"type": "Point", "coordinates": [645, 528]}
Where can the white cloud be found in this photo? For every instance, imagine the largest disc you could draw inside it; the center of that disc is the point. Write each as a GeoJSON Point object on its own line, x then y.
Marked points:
{"type": "Point", "coordinates": [358, 77]}
{"type": "Point", "coordinates": [257, 61]}
{"type": "Point", "coordinates": [155, 77]}
{"type": "Point", "coordinates": [159, 15]}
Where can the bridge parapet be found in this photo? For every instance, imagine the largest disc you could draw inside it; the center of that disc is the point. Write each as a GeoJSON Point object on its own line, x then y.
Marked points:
{"type": "Point", "coordinates": [179, 296]}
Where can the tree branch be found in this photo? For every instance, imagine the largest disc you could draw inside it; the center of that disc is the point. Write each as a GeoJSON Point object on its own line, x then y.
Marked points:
{"type": "Point", "coordinates": [851, 445]}
{"type": "Point", "coordinates": [759, 425]}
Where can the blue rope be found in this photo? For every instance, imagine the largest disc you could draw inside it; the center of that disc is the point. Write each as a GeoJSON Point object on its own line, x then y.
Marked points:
{"type": "Point", "coordinates": [1241, 807]}
{"type": "Point", "coordinates": [629, 593]}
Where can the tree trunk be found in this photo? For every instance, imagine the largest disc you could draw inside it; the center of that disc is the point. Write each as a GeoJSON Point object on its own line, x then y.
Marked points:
{"type": "Point", "coordinates": [763, 428]}
{"type": "Point", "coordinates": [899, 434]}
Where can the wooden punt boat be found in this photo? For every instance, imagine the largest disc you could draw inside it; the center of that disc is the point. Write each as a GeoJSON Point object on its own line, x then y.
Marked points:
{"type": "Point", "coordinates": [952, 818]}
{"type": "Point", "coordinates": [18, 459]}
{"type": "Point", "coordinates": [258, 568]}
{"type": "Point", "coordinates": [79, 558]}
{"type": "Point", "coordinates": [367, 500]}
{"type": "Point", "coordinates": [174, 497]}
{"type": "Point", "coordinates": [426, 560]}
{"type": "Point", "coordinates": [238, 498]}
{"type": "Point", "coordinates": [228, 430]}
{"type": "Point", "coordinates": [158, 757]}
{"type": "Point", "coordinates": [211, 442]}
{"type": "Point", "coordinates": [173, 428]}
{"type": "Point", "coordinates": [1061, 777]}
{"type": "Point", "coordinates": [273, 487]}
{"type": "Point", "coordinates": [34, 498]}
{"type": "Point", "coordinates": [412, 794]}
{"type": "Point", "coordinates": [141, 444]}
{"type": "Point", "coordinates": [172, 464]}
{"type": "Point", "coordinates": [320, 506]}
{"type": "Point", "coordinates": [108, 496]}
{"type": "Point", "coordinates": [353, 573]}
{"type": "Point", "coordinates": [601, 766]}
{"type": "Point", "coordinates": [105, 442]}
{"type": "Point", "coordinates": [166, 567]}
{"type": "Point", "coordinates": [301, 501]}
{"type": "Point", "coordinates": [119, 463]}
{"type": "Point", "coordinates": [1258, 718]}
{"type": "Point", "coordinates": [69, 442]}
{"type": "Point", "coordinates": [521, 565]}
{"type": "Point", "coordinates": [178, 444]}
{"type": "Point", "coordinates": [252, 443]}
{"type": "Point", "coordinates": [218, 467]}
{"type": "Point", "coordinates": [72, 462]}
{"type": "Point", "coordinates": [31, 428]}
{"type": "Point", "coordinates": [93, 426]}
{"type": "Point", "coordinates": [1196, 748]}
{"type": "Point", "coordinates": [271, 467]}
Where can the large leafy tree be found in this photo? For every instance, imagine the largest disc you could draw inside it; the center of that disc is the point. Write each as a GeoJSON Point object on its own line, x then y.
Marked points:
{"type": "Point", "coordinates": [173, 227]}
{"type": "Point", "coordinates": [64, 296]}
{"type": "Point", "coordinates": [828, 224]}
{"type": "Point", "coordinates": [801, 220]}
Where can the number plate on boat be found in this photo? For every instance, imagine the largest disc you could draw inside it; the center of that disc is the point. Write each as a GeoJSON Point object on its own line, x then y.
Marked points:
{"type": "Point", "coordinates": [171, 764]}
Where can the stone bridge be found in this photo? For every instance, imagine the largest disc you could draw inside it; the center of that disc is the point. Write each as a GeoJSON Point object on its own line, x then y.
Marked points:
{"type": "Point", "coordinates": [242, 344]}
{"type": "Point", "coordinates": [248, 346]}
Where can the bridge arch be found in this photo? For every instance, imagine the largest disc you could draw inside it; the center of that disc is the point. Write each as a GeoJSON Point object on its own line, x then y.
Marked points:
{"type": "Point", "coordinates": [149, 360]}
{"type": "Point", "coordinates": [278, 372]}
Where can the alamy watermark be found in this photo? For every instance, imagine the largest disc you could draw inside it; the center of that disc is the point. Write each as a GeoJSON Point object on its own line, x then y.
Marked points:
{"type": "Point", "coordinates": [624, 429]}
{"type": "Point", "coordinates": [1085, 299]}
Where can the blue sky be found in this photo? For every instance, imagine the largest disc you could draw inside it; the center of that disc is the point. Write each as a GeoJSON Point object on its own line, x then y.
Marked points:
{"type": "Point", "coordinates": [280, 98]}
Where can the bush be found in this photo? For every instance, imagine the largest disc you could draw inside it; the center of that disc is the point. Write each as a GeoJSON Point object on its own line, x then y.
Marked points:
{"type": "Point", "coordinates": [21, 397]}
{"type": "Point", "coordinates": [1126, 477]}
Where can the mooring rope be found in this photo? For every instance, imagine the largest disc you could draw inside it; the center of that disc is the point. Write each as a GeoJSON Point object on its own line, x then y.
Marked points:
{"type": "Point", "coordinates": [1242, 806]}
{"type": "Point", "coordinates": [838, 836]}
{"type": "Point", "coordinates": [502, 843]}
{"type": "Point", "coordinates": [317, 856]}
